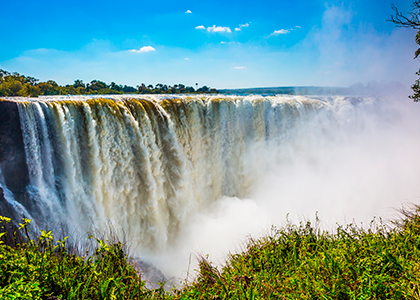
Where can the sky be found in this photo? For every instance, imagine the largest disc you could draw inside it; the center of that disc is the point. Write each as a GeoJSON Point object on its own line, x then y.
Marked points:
{"type": "Point", "coordinates": [221, 44]}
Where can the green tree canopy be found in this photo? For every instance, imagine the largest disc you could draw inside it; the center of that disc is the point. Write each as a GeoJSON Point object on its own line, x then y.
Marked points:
{"type": "Point", "coordinates": [15, 84]}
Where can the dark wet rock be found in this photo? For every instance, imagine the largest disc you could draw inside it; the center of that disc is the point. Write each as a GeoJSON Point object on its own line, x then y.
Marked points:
{"type": "Point", "coordinates": [3, 203]}
{"type": "Point", "coordinates": [150, 274]}
{"type": "Point", "coordinates": [12, 151]}
{"type": "Point", "coordinates": [5, 208]}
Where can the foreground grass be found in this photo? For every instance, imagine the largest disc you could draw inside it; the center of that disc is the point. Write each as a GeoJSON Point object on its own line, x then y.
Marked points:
{"type": "Point", "coordinates": [295, 262]}
{"type": "Point", "coordinates": [40, 269]}
{"type": "Point", "coordinates": [298, 262]}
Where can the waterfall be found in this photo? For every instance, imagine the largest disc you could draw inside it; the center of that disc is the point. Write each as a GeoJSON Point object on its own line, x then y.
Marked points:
{"type": "Point", "coordinates": [145, 164]}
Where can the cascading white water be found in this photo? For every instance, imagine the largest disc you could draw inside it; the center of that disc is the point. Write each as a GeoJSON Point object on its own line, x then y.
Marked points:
{"type": "Point", "coordinates": [145, 165]}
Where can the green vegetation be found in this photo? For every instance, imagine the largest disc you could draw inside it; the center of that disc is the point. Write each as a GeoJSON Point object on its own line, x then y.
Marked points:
{"type": "Point", "coordinates": [295, 262]}
{"type": "Point", "coordinates": [14, 84]}
{"type": "Point", "coordinates": [300, 262]}
{"type": "Point", "coordinates": [38, 269]}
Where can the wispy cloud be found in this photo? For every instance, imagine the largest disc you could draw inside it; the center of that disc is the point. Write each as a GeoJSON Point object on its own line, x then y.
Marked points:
{"type": "Point", "coordinates": [240, 68]}
{"type": "Point", "coordinates": [239, 28]}
{"type": "Point", "coordinates": [281, 31]}
{"type": "Point", "coordinates": [215, 28]}
{"type": "Point", "coordinates": [285, 31]}
{"type": "Point", "coordinates": [143, 49]}
{"type": "Point", "coordinates": [188, 12]}
{"type": "Point", "coordinates": [186, 58]}
{"type": "Point", "coordinates": [230, 43]}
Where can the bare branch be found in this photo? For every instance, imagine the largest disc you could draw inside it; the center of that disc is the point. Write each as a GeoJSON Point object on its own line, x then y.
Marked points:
{"type": "Point", "coordinates": [412, 18]}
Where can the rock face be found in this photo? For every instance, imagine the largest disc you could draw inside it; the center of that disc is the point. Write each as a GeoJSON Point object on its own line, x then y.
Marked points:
{"type": "Point", "coordinates": [12, 150]}
{"type": "Point", "coordinates": [5, 207]}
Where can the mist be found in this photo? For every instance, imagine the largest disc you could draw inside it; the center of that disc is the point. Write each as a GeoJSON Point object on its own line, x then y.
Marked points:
{"type": "Point", "coordinates": [364, 167]}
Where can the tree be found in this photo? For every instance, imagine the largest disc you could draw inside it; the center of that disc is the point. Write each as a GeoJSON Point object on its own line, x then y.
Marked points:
{"type": "Point", "coordinates": [411, 20]}
{"type": "Point", "coordinates": [49, 88]}
{"type": "Point", "coordinates": [96, 86]}
{"type": "Point", "coordinates": [78, 83]}
{"type": "Point", "coordinates": [115, 87]}
{"type": "Point", "coordinates": [203, 89]}
{"type": "Point", "coordinates": [128, 89]}
{"type": "Point", "coordinates": [15, 84]}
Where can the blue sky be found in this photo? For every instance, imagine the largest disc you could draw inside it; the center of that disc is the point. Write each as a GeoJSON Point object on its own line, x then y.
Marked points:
{"type": "Point", "coordinates": [222, 44]}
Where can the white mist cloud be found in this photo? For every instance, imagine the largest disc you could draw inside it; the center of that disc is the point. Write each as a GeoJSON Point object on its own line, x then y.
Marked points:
{"type": "Point", "coordinates": [188, 12]}
{"type": "Point", "coordinates": [143, 49]}
{"type": "Point", "coordinates": [221, 228]}
{"type": "Point", "coordinates": [200, 27]}
{"type": "Point", "coordinates": [363, 164]}
{"type": "Point", "coordinates": [366, 167]}
{"type": "Point", "coordinates": [240, 68]}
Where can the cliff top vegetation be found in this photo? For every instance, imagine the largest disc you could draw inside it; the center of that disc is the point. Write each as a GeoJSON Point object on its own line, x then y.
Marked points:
{"type": "Point", "coordinates": [15, 84]}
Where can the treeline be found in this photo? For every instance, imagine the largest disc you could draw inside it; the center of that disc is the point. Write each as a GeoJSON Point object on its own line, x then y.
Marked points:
{"type": "Point", "coordinates": [15, 84]}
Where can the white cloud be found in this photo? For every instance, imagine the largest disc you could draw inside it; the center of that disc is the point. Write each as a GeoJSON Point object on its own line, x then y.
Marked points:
{"type": "Point", "coordinates": [241, 26]}
{"type": "Point", "coordinates": [186, 58]}
{"type": "Point", "coordinates": [188, 12]}
{"type": "Point", "coordinates": [281, 31]}
{"type": "Point", "coordinates": [143, 49]}
{"type": "Point", "coordinates": [298, 27]}
{"type": "Point", "coordinates": [230, 43]}
{"type": "Point", "coordinates": [215, 28]}
{"type": "Point", "coordinates": [240, 68]}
